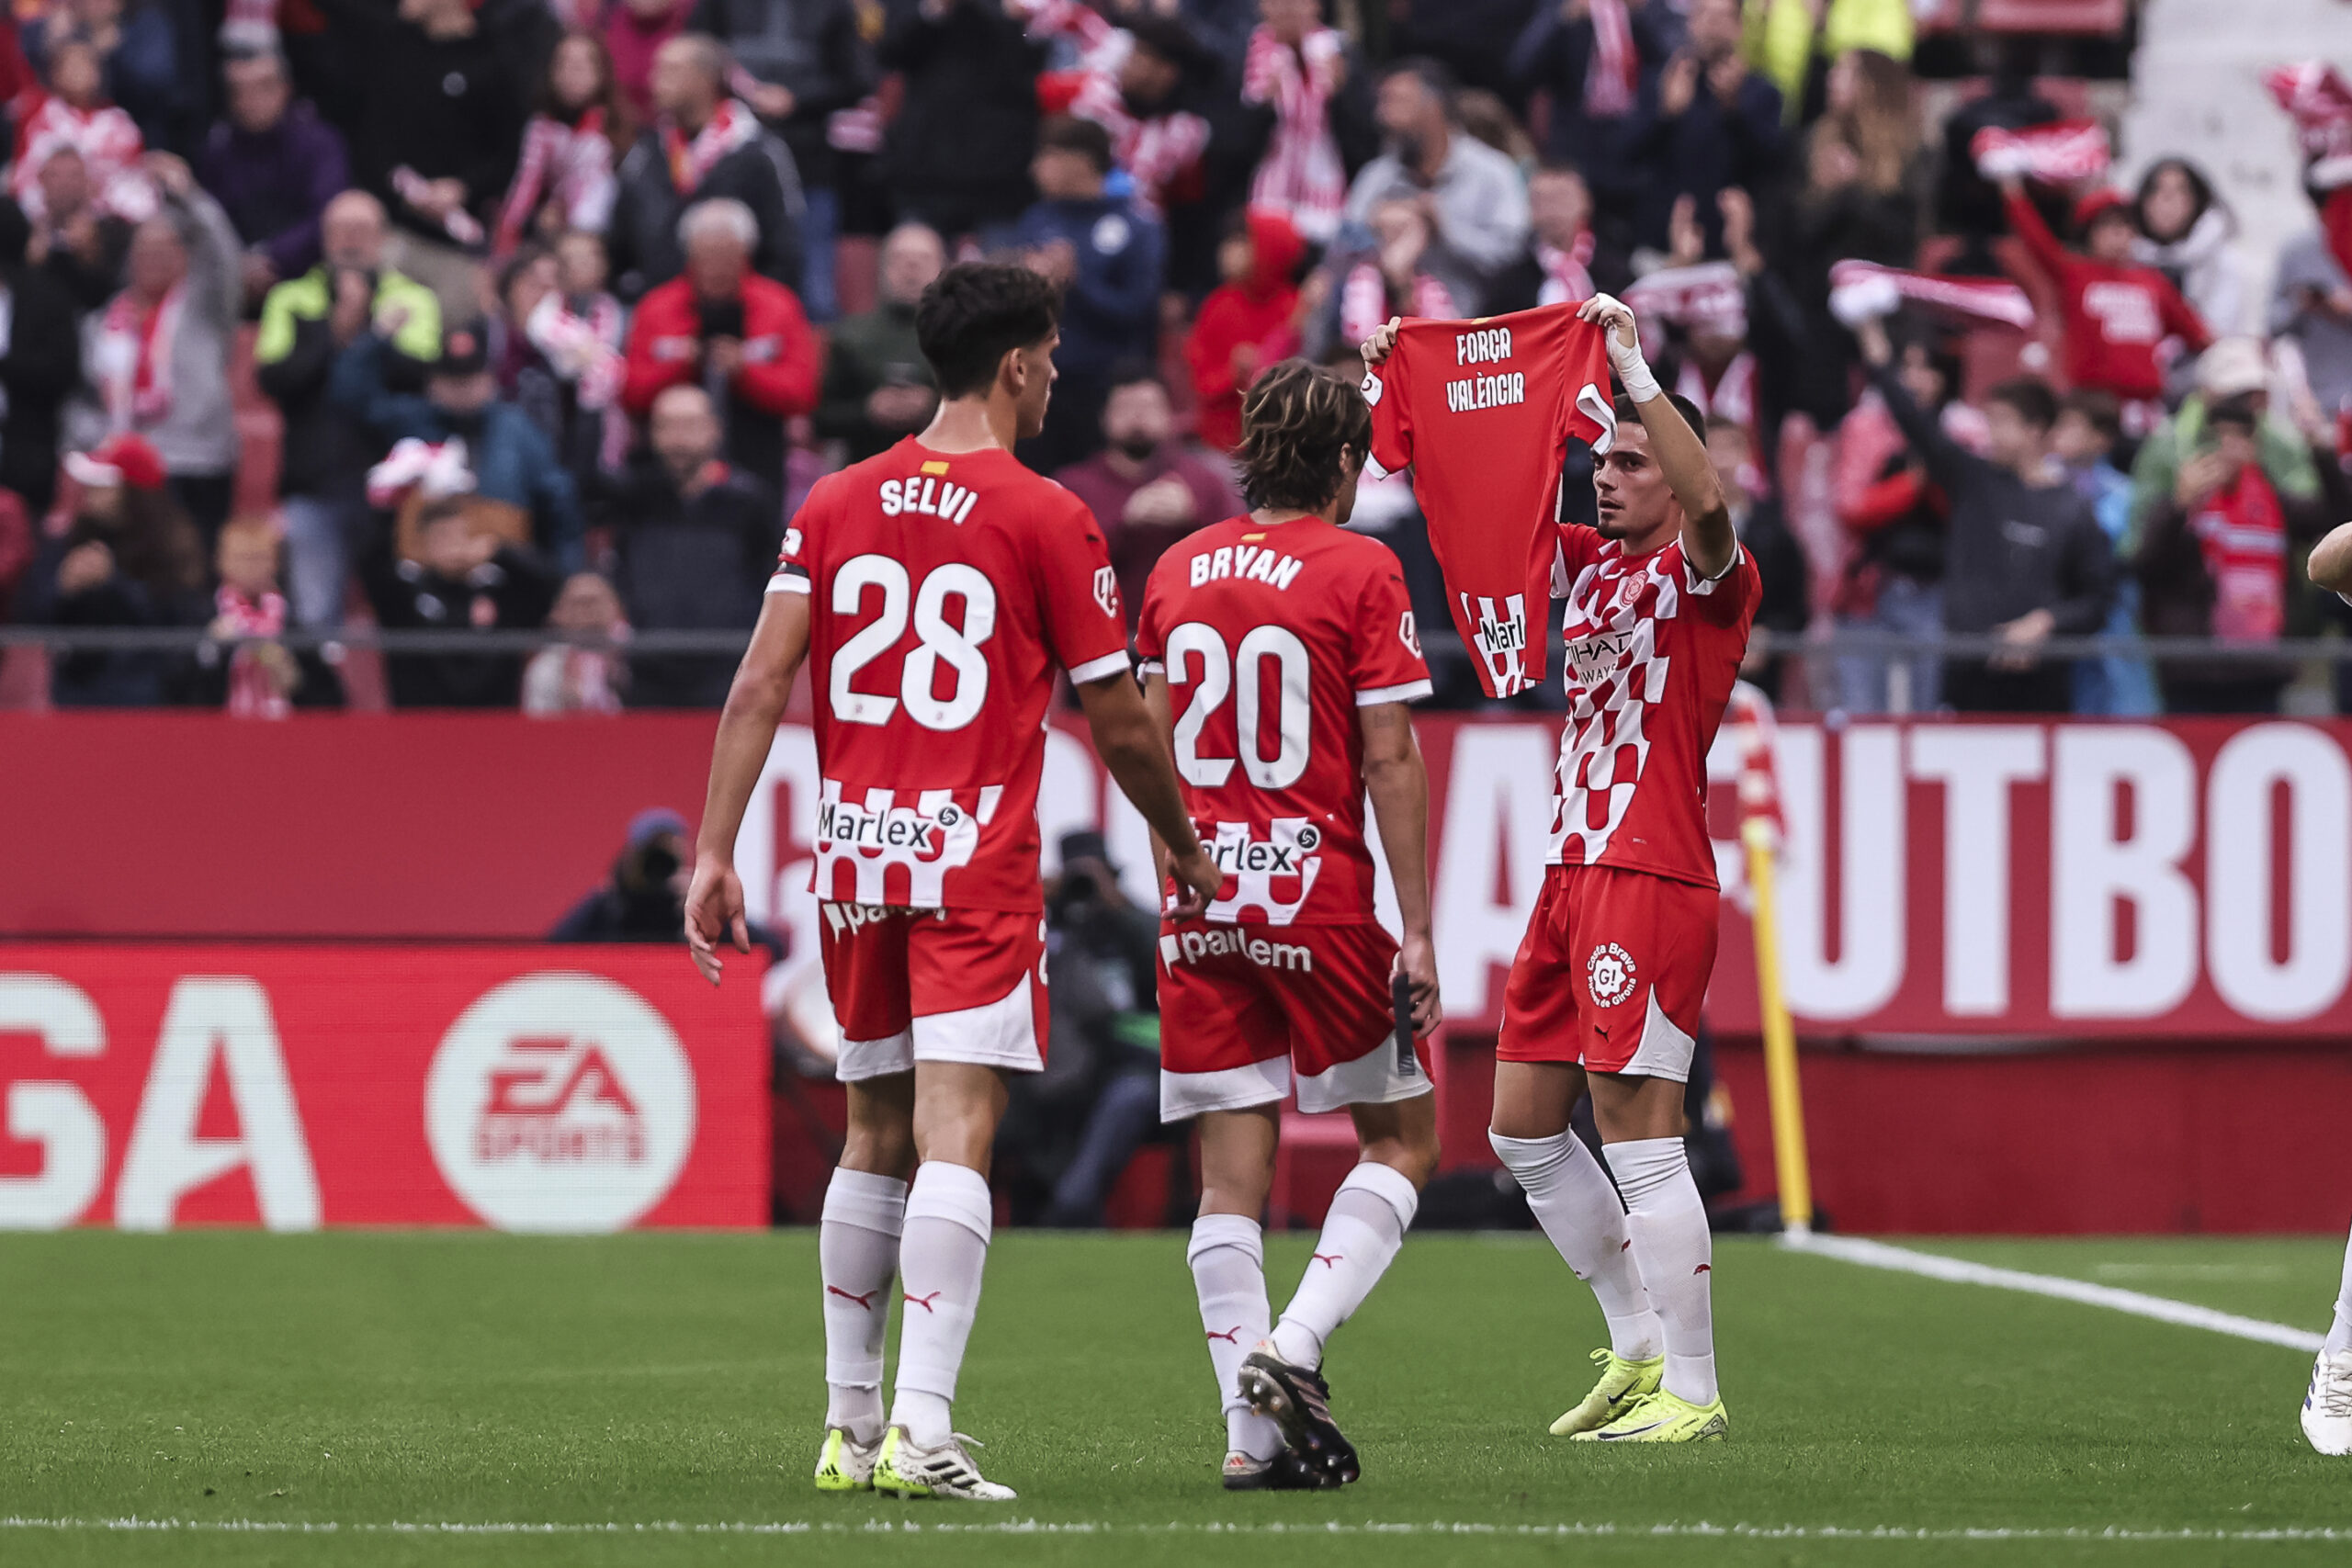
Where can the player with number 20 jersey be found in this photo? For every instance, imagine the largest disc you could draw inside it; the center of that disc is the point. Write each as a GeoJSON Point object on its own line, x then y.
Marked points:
{"type": "Point", "coordinates": [1270, 639]}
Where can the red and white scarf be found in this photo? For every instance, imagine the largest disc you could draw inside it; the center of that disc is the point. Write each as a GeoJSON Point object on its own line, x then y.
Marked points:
{"type": "Point", "coordinates": [2055, 155]}
{"type": "Point", "coordinates": [570, 164]}
{"type": "Point", "coordinates": [1733, 396]}
{"type": "Point", "coordinates": [1364, 301]}
{"type": "Point", "coordinates": [1566, 274]}
{"type": "Point", "coordinates": [1861, 291]}
{"type": "Point", "coordinates": [1711, 297]}
{"type": "Point", "coordinates": [2316, 96]}
{"type": "Point", "coordinates": [110, 146]}
{"type": "Point", "coordinates": [251, 693]}
{"type": "Point", "coordinates": [584, 348]}
{"type": "Point", "coordinates": [1301, 172]}
{"type": "Point", "coordinates": [1157, 151]}
{"type": "Point", "coordinates": [132, 359]}
{"type": "Point", "coordinates": [1615, 75]}
{"type": "Point", "coordinates": [2243, 532]}
{"type": "Point", "coordinates": [731, 126]}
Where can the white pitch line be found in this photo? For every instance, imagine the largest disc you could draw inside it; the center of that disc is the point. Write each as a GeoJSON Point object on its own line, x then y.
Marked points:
{"type": "Point", "coordinates": [1699, 1529]}
{"type": "Point", "coordinates": [1960, 1271]}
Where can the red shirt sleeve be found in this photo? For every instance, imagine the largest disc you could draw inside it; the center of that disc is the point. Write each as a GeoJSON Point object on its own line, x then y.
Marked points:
{"type": "Point", "coordinates": [1386, 390]}
{"type": "Point", "coordinates": [780, 358]}
{"type": "Point", "coordinates": [794, 567]}
{"type": "Point", "coordinates": [1152, 631]}
{"type": "Point", "coordinates": [1078, 594]}
{"type": "Point", "coordinates": [1728, 600]}
{"type": "Point", "coordinates": [1388, 666]}
{"type": "Point", "coordinates": [659, 356]}
{"type": "Point", "coordinates": [2025, 219]}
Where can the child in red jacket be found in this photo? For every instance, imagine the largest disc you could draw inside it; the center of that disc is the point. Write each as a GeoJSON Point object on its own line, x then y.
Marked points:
{"type": "Point", "coordinates": [1247, 324]}
{"type": "Point", "coordinates": [2118, 312]}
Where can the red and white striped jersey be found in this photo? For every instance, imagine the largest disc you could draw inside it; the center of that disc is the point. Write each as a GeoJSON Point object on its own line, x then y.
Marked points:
{"type": "Point", "coordinates": [1271, 637]}
{"type": "Point", "coordinates": [1653, 652]}
{"type": "Point", "coordinates": [945, 589]}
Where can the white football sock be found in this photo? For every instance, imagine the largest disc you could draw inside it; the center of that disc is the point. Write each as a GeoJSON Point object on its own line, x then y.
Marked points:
{"type": "Point", "coordinates": [2339, 1334]}
{"type": "Point", "coordinates": [857, 1254]}
{"type": "Point", "coordinates": [1668, 1224]}
{"type": "Point", "coordinates": [1579, 1212]}
{"type": "Point", "coordinates": [1362, 1231]}
{"type": "Point", "coordinates": [1228, 1261]}
{"type": "Point", "coordinates": [941, 1258]}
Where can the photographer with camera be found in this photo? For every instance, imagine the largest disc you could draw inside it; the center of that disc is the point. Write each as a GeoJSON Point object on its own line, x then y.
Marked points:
{"type": "Point", "coordinates": [1072, 1128]}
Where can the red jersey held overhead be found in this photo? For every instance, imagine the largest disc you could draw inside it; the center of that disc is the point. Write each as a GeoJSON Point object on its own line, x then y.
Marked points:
{"type": "Point", "coordinates": [1483, 411]}
{"type": "Point", "coordinates": [1270, 639]}
{"type": "Point", "coordinates": [944, 589]}
{"type": "Point", "coordinates": [1653, 650]}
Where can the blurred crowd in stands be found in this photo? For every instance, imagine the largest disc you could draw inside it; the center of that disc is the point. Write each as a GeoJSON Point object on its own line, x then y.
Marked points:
{"type": "Point", "coordinates": [461, 317]}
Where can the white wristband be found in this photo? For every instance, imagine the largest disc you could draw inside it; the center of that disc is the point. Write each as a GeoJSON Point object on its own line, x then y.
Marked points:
{"type": "Point", "coordinates": [1640, 384]}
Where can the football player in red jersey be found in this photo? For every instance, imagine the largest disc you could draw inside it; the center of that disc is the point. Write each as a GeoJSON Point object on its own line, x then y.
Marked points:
{"type": "Point", "coordinates": [934, 591]}
{"type": "Point", "coordinates": [1281, 652]}
{"type": "Point", "coordinates": [1605, 992]}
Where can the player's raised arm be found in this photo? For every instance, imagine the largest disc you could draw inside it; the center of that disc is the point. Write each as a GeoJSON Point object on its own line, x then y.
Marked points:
{"type": "Point", "coordinates": [1398, 784]}
{"type": "Point", "coordinates": [1133, 745]}
{"type": "Point", "coordinates": [1681, 452]}
{"type": "Point", "coordinates": [746, 731]}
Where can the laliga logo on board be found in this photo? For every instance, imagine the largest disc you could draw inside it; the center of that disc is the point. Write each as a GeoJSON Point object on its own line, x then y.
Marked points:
{"type": "Point", "coordinates": [560, 1102]}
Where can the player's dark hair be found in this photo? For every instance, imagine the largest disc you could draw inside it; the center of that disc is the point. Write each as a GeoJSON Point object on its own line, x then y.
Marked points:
{"type": "Point", "coordinates": [1297, 419]}
{"type": "Point", "coordinates": [1629, 412]}
{"type": "Point", "coordinates": [2030, 397]}
{"type": "Point", "coordinates": [976, 313]}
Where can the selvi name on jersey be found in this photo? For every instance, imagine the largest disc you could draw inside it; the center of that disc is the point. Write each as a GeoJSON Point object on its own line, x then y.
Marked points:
{"type": "Point", "coordinates": [929, 494]}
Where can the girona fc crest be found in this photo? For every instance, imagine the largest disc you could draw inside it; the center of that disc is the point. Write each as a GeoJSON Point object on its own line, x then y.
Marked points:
{"type": "Point", "coordinates": [1609, 975]}
{"type": "Point", "coordinates": [1106, 590]}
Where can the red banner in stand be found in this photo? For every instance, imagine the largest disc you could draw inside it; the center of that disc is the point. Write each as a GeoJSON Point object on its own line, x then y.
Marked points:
{"type": "Point", "coordinates": [537, 1088]}
{"type": "Point", "coordinates": [2001, 880]}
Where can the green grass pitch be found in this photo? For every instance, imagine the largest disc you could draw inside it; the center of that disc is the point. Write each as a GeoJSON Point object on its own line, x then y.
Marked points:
{"type": "Point", "coordinates": [373, 1380]}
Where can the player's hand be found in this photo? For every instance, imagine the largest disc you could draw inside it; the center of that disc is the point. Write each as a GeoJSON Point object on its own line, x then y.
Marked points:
{"type": "Point", "coordinates": [1377, 348]}
{"type": "Point", "coordinates": [715, 914]}
{"type": "Point", "coordinates": [1417, 960]}
{"type": "Point", "coordinates": [1615, 319]}
{"type": "Point", "coordinates": [1197, 880]}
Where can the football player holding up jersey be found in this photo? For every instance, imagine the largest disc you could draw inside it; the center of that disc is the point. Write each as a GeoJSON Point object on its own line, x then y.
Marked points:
{"type": "Point", "coordinates": [935, 592]}
{"type": "Point", "coordinates": [1605, 993]}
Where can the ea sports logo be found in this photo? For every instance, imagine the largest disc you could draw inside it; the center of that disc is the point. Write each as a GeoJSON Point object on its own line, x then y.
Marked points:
{"type": "Point", "coordinates": [1609, 974]}
{"type": "Point", "coordinates": [560, 1102]}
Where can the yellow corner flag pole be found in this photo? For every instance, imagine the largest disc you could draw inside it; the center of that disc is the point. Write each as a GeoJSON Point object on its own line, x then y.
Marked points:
{"type": "Point", "coordinates": [1779, 1037]}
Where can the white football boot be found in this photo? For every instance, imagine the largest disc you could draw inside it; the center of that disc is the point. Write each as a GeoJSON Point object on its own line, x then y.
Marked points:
{"type": "Point", "coordinates": [903, 1470]}
{"type": "Point", "coordinates": [2327, 1406]}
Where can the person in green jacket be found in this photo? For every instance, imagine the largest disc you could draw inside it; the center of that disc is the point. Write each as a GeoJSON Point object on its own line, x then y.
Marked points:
{"type": "Point", "coordinates": [1782, 38]}
{"type": "Point", "coordinates": [306, 322]}
{"type": "Point", "coordinates": [877, 387]}
{"type": "Point", "coordinates": [2232, 367]}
